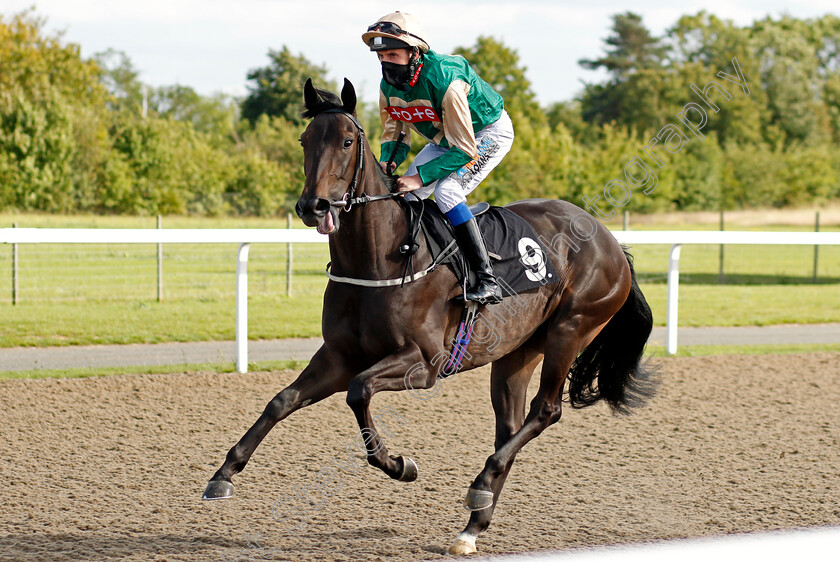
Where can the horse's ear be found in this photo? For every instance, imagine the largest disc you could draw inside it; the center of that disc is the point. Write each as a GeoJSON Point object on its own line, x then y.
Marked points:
{"type": "Point", "coordinates": [310, 96]}
{"type": "Point", "coordinates": [348, 97]}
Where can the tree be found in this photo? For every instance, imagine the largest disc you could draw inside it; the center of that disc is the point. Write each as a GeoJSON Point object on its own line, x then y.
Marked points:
{"type": "Point", "coordinates": [121, 80]}
{"type": "Point", "coordinates": [214, 115]}
{"type": "Point", "coordinates": [567, 114]}
{"type": "Point", "coordinates": [831, 96]}
{"type": "Point", "coordinates": [35, 152]}
{"type": "Point", "coordinates": [632, 48]}
{"type": "Point", "coordinates": [639, 90]}
{"type": "Point", "coordinates": [276, 89]}
{"type": "Point", "coordinates": [790, 77]}
{"type": "Point", "coordinates": [51, 106]}
{"type": "Point", "coordinates": [35, 63]}
{"type": "Point", "coordinates": [703, 45]}
{"type": "Point", "coordinates": [499, 66]}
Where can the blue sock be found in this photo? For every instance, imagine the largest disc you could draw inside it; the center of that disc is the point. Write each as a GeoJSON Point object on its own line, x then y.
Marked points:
{"type": "Point", "coordinates": [459, 214]}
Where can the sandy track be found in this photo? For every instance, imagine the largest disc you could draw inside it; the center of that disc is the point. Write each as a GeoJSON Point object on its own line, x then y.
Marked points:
{"type": "Point", "coordinates": [113, 467]}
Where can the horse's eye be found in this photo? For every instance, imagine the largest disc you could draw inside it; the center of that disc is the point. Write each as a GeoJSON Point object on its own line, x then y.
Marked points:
{"type": "Point", "coordinates": [348, 143]}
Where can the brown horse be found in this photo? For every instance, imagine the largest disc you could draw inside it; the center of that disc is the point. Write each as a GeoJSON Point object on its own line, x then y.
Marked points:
{"type": "Point", "coordinates": [589, 328]}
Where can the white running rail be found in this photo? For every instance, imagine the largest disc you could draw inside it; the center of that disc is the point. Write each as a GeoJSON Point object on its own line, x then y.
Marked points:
{"type": "Point", "coordinates": [676, 238]}
{"type": "Point", "coordinates": [245, 237]}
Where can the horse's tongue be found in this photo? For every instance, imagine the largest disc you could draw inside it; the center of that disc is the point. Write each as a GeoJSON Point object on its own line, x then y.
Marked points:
{"type": "Point", "coordinates": [327, 225]}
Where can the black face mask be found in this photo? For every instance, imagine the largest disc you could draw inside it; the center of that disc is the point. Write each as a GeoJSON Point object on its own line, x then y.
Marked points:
{"type": "Point", "coordinates": [397, 75]}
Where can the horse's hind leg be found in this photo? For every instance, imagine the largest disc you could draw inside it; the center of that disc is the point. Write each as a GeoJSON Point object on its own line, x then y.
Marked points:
{"type": "Point", "coordinates": [508, 384]}
{"type": "Point", "coordinates": [561, 347]}
{"type": "Point", "coordinates": [323, 377]}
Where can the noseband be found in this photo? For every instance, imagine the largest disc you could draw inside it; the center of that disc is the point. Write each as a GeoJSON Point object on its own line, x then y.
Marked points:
{"type": "Point", "coordinates": [350, 199]}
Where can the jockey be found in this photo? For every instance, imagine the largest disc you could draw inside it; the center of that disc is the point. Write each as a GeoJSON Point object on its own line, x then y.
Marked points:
{"type": "Point", "coordinates": [469, 132]}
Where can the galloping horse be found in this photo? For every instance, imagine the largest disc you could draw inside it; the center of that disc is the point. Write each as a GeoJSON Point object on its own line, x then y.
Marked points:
{"type": "Point", "coordinates": [590, 327]}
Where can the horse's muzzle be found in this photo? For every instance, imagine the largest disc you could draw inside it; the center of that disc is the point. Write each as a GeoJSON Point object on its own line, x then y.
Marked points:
{"type": "Point", "coordinates": [312, 210]}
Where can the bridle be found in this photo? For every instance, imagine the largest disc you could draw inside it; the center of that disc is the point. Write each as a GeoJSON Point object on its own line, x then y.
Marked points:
{"type": "Point", "coordinates": [350, 200]}
{"type": "Point", "coordinates": [414, 222]}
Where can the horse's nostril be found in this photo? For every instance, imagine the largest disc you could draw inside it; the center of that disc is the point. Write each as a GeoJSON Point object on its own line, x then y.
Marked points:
{"type": "Point", "coordinates": [322, 206]}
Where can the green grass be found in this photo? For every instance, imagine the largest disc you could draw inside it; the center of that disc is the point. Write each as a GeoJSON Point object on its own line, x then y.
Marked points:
{"type": "Point", "coordinates": [747, 305]}
{"type": "Point", "coordinates": [106, 294]}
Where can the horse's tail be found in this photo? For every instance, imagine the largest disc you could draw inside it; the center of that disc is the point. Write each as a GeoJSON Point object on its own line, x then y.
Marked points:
{"type": "Point", "coordinates": [614, 358]}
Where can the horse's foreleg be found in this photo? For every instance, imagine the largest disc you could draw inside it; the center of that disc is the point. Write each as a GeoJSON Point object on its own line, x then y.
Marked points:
{"type": "Point", "coordinates": [508, 385]}
{"type": "Point", "coordinates": [406, 368]}
{"type": "Point", "coordinates": [323, 377]}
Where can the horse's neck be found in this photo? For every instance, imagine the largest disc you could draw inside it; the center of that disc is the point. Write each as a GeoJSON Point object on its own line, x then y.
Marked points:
{"type": "Point", "coordinates": [368, 239]}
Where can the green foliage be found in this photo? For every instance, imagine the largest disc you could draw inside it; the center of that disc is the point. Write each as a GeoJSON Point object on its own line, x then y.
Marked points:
{"type": "Point", "coordinates": [631, 48]}
{"type": "Point", "coordinates": [81, 135]}
{"type": "Point", "coordinates": [261, 188]}
{"type": "Point", "coordinates": [36, 64]}
{"type": "Point", "coordinates": [88, 135]}
{"type": "Point", "coordinates": [696, 184]}
{"type": "Point", "coordinates": [789, 75]}
{"type": "Point", "coordinates": [121, 80]}
{"type": "Point", "coordinates": [499, 66]}
{"type": "Point", "coordinates": [568, 114]}
{"type": "Point", "coordinates": [35, 152]}
{"type": "Point", "coordinates": [756, 177]}
{"type": "Point", "coordinates": [634, 61]}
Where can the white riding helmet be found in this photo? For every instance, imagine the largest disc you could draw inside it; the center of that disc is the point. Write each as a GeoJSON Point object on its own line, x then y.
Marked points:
{"type": "Point", "coordinates": [395, 31]}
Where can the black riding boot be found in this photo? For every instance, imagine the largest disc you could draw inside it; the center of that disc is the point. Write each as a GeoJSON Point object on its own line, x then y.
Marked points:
{"type": "Point", "coordinates": [470, 242]}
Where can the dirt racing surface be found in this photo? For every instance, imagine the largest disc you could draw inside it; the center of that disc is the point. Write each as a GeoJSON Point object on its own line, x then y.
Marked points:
{"type": "Point", "coordinates": [114, 467]}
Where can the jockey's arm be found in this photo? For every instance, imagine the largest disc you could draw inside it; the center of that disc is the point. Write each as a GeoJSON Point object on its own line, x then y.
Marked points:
{"type": "Point", "coordinates": [458, 130]}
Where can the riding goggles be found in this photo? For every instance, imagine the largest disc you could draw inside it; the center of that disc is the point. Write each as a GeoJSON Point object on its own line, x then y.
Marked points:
{"type": "Point", "coordinates": [390, 28]}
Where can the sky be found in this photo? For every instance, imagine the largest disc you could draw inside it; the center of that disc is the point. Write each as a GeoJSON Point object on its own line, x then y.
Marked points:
{"type": "Point", "coordinates": [210, 45]}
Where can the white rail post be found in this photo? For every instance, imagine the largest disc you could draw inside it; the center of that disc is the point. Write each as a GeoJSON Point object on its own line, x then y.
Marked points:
{"type": "Point", "coordinates": [289, 258]}
{"type": "Point", "coordinates": [159, 263]}
{"type": "Point", "coordinates": [15, 292]}
{"type": "Point", "coordinates": [673, 300]}
{"type": "Point", "coordinates": [242, 308]}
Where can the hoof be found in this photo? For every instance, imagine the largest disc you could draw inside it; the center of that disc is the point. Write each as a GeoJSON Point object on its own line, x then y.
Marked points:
{"type": "Point", "coordinates": [463, 545]}
{"type": "Point", "coordinates": [478, 499]}
{"type": "Point", "coordinates": [409, 470]}
{"type": "Point", "coordinates": [218, 490]}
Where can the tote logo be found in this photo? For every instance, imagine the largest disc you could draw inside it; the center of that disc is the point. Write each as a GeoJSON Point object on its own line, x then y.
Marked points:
{"type": "Point", "coordinates": [412, 114]}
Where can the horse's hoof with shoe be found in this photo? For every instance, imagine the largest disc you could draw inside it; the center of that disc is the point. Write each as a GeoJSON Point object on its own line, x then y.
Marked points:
{"type": "Point", "coordinates": [218, 490]}
{"type": "Point", "coordinates": [409, 470]}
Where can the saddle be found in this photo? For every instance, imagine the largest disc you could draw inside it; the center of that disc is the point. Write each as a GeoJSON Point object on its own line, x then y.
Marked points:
{"type": "Point", "coordinates": [519, 259]}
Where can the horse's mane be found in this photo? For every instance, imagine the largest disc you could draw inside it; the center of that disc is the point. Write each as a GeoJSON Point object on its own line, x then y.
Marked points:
{"type": "Point", "coordinates": [328, 100]}
{"type": "Point", "coordinates": [389, 181]}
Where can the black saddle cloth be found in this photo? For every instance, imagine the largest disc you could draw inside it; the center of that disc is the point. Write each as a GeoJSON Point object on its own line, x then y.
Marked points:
{"type": "Point", "coordinates": [518, 256]}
